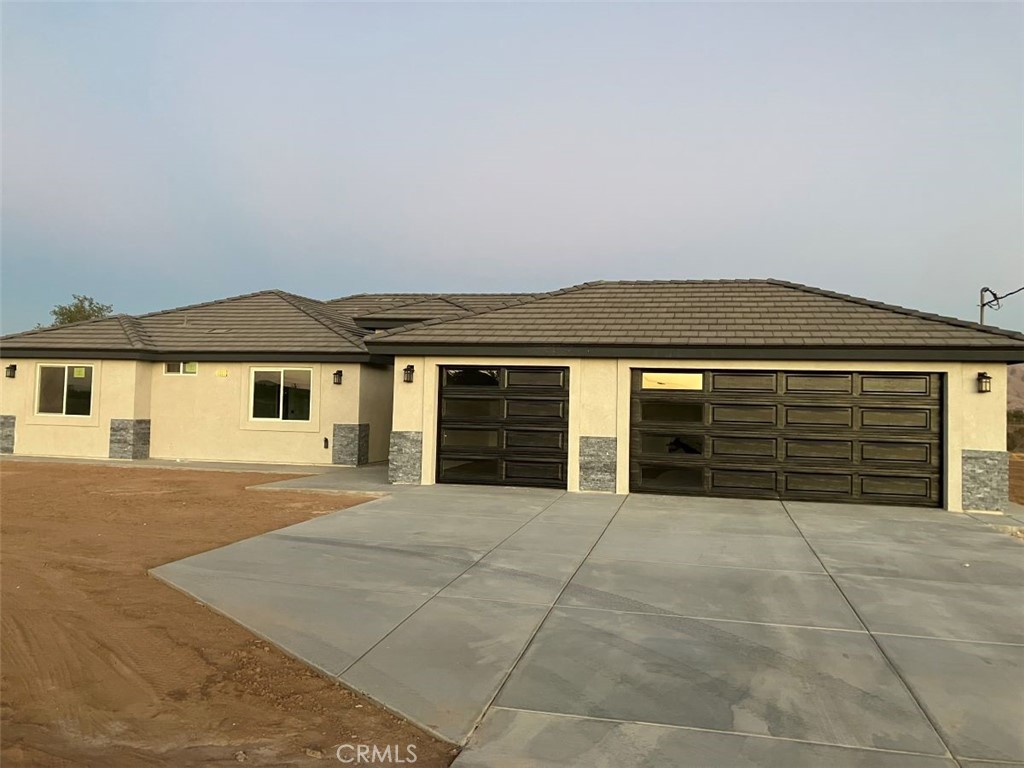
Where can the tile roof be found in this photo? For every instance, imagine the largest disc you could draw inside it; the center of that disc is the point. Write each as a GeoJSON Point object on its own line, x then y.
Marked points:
{"type": "Point", "coordinates": [694, 314]}
{"type": "Point", "coordinates": [268, 321]}
{"type": "Point", "coordinates": [698, 313]}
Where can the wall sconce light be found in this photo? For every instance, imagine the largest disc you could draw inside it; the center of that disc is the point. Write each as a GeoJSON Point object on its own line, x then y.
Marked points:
{"type": "Point", "coordinates": [984, 382]}
{"type": "Point", "coordinates": [338, 376]}
{"type": "Point", "coordinates": [11, 370]}
{"type": "Point", "coordinates": [407, 373]}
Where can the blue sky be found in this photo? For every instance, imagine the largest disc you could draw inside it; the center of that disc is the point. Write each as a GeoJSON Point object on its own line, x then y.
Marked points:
{"type": "Point", "coordinates": [162, 154]}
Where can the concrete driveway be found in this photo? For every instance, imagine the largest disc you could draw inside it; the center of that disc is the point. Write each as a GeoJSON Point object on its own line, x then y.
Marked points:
{"type": "Point", "coordinates": [550, 629]}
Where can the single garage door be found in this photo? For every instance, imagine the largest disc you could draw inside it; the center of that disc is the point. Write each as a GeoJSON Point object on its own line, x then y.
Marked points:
{"type": "Point", "coordinates": [503, 426]}
{"type": "Point", "coordinates": [849, 436]}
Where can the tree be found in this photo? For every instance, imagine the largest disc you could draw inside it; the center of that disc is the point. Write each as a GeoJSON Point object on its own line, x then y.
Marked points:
{"type": "Point", "coordinates": [82, 308]}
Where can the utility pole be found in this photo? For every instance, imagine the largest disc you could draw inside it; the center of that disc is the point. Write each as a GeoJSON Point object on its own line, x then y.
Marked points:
{"type": "Point", "coordinates": [995, 300]}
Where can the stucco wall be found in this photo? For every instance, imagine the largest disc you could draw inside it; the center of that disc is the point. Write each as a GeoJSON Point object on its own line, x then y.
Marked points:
{"type": "Point", "coordinates": [206, 416]}
{"type": "Point", "coordinates": [119, 391]}
{"type": "Point", "coordinates": [599, 391]}
{"type": "Point", "coordinates": [375, 398]}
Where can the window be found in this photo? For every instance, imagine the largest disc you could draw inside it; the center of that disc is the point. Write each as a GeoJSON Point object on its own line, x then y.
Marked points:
{"type": "Point", "coordinates": [181, 367]}
{"type": "Point", "coordinates": [666, 380]}
{"type": "Point", "coordinates": [281, 394]}
{"type": "Point", "coordinates": [65, 390]}
{"type": "Point", "coordinates": [471, 377]}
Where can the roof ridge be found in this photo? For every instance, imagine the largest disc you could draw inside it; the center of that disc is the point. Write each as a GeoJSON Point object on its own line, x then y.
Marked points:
{"type": "Point", "coordinates": [931, 316]}
{"type": "Point", "coordinates": [136, 333]}
{"type": "Point", "coordinates": [518, 301]}
{"type": "Point", "coordinates": [325, 320]}
{"type": "Point", "coordinates": [200, 304]}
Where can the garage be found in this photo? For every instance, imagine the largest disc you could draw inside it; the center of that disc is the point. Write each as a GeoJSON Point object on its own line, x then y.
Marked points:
{"type": "Point", "coordinates": [503, 426]}
{"type": "Point", "coordinates": [867, 437]}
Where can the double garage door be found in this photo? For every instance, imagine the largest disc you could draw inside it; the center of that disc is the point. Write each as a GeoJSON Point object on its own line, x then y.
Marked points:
{"type": "Point", "coordinates": [843, 436]}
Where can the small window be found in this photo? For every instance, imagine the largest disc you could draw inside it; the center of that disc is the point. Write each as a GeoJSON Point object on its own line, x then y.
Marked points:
{"type": "Point", "coordinates": [471, 377]}
{"type": "Point", "coordinates": [666, 380]}
{"type": "Point", "coordinates": [471, 409]}
{"type": "Point", "coordinates": [672, 445]}
{"type": "Point", "coordinates": [65, 390]}
{"type": "Point", "coordinates": [536, 377]}
{"type": "Point", "coordinates": [281, 394]}
{"type": "Point", "coordinates": [469, 438]}
{"type": "Point", "coordinates": [178, 368]}
{"type": "Point", "coordinates": [678, 412]}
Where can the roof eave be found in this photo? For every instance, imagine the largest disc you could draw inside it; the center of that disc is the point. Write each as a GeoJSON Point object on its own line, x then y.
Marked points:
{"type": "Point", "coordinates": [255, 356]}
{"type": "Point", "coordinates": [1003, 354]}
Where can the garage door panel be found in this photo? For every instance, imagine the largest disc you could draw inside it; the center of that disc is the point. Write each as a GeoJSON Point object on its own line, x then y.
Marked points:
{"type": "Point", "coordinates": [743, 382]}
{"type": "Point", "coordinates": [818, 416]}
{"type": "Point", "coordinates": [818, 384]}
{"type": "Point", "coordinates": [902, 452]}
{"type": "Point", "coordinates": [818, 450]}
{"type": "Point", "coordinates": [503, 425]}
{"type": "Point", "coordinates": [819, 482]}
{"type": "Point", "coordinates": [841, 435]}
{"type": "Point", "coordinates": [915, 386]}
{"type": "Point", "coordinates": [743, 414]}
{"type": "Point", "coordinates": [742, 479]}
{"type": "Point", "coordinates": [730, 447]}
{"type": "Point", "coordinates": [898, 418]}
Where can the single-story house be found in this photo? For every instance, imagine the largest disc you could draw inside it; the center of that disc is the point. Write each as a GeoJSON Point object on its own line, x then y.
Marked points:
{"type": "Point", "coordinates": [746, 388]}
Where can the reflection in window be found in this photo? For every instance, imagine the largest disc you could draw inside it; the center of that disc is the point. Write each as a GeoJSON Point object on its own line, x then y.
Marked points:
{"type": "Point", "coordinates": [65, 390]}
{"type": "Point", "coordinates": [672, 445]}
{"type": "Point", "coordinates": [469, 438]}
{"type": "Point", "coordinates": [281, 393]}
{"type": "Point", "coordinates": [471, 377]}
{"type": "Point", "coordinates": [680, 412]}
{"type": "Point", "coordinates": [472, 409]}
{"type": "Point", "coordinates": [671, 380]}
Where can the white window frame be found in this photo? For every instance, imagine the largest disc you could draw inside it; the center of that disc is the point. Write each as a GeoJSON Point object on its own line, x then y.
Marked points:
{"type": "Point", "coordinates": [279, 419]}
{"type": "Point", "coordinates": [64, 392]}
{"type": "Point", "coordinates": [181, 368]}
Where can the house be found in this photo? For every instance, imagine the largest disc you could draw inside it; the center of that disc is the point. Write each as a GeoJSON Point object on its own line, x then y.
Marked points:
{"type": "Point", "coordinates": [746, 388]}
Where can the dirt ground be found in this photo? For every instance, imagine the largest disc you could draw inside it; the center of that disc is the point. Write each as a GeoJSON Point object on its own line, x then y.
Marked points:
{"type": "Point", "coordinates": [102, 665]}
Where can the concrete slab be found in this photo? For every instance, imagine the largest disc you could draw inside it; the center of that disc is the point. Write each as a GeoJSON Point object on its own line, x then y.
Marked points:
{"type": "Point", "coordinates": [555, 538]}
{"type": "Point", "coordinates": [708, 548]}
{"type": "Point", "coordinates": [949, 530]}
{"type": "Point", "coordinates": [810, 684]}
{"type": "Point", "coordinates": [674, 505]}
{"type": "Point", "coordinates": [325, 627]}
{"type": "Point", "coordinates": [327, 563]}
{"type": "Point", "coordinates": [872, 511]}
{"type": "Point", "coordinates": [973, 691]}
{"type": "Point", "coordinates": [404, 528]}
{"type": "Point", "coordinates": [742, 594]}
{"type": "Point", "coordinates": [996, 560]}
{"type": "Point", "coordinates": [444, 664]}
{"type": "Point", "coordinates": [582, 508]}
{"type": "Point", "coordinates": [538, 740]}
{"type": "Point", "coordinates": [684, 519]}
{"type": "Point", "coordinates": [984, 612]}
{"type": "Point", "coordinates": [516, 575]}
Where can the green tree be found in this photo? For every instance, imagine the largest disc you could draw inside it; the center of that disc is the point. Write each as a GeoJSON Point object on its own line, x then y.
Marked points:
{"type": "Point", "coordinates": [81, 308]}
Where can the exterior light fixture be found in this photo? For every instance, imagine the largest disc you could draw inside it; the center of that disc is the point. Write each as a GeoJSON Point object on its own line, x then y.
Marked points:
{"type": "Point", "coordinates": [407, 373]}
{"type": "Point", "coordinates": [11, 371]}
{"type": "Point", "coordinates": [338, 376]}
{"type": "Point", "coordinates": [984, 382]}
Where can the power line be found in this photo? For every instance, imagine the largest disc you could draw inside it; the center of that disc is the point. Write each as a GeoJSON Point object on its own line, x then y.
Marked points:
{"type": "Point", "coordinates": [994, 301]}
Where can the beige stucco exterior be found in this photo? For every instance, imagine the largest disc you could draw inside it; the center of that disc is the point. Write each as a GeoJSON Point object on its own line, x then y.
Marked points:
{"type": "Point", "coordinates": [203, 416]}
{"type": "Point", "coordinates": [120, 391]}
{"type": "Point", "coordinates": [599, 397]}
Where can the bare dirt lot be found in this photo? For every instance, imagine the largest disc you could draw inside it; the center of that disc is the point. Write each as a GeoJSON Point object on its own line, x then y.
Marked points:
{"type": "Point", "coordinates": [102, 665]}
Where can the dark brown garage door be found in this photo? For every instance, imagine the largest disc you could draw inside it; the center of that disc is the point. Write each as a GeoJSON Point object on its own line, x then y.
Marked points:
{"type": "Point", "coordinates": [850, 436]}
{"type": "Point", "coordinates": [503, 426]}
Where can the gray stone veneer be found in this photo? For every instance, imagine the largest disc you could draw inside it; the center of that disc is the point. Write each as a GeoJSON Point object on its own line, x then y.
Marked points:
{"type": "Point", "coordinates": [597, 464]}
{"type": "Point", "coordinates": [351, 444]}
{"type": "Point", "coordinates": [7, 434]}
{"type": "Point", "coordinates": [986, 480]}
{"type": "Point", "coordinates": [405, 460]}
{"type": "Point", "coordinates": [129, 439]}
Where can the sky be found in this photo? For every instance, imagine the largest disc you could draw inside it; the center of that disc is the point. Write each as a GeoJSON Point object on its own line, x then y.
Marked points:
{"type": "Point", "coordinates": [163, 154]}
